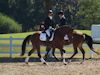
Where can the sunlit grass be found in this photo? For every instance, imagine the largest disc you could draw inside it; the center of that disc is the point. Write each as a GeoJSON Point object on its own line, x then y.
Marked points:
{"type": "Point", "coordinates": [16, 35]}
{"type": "Point", "coordinates": [23, 35]}
{"type": "Point", "coordinates": [85, 31]}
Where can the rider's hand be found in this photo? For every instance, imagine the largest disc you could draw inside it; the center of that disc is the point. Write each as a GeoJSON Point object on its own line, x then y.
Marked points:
{"type": "Point", "coordinates": [57, 26]}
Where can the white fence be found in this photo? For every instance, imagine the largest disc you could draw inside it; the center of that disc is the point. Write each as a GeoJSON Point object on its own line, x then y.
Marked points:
{"type": "Point", "coordinates": [11, 45]}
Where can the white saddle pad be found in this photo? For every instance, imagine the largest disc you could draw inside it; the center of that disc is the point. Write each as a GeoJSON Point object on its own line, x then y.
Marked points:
{"type": "Point", "coordinates": [66, 37]}
{"type": "Point", "coordinates": [43, 37]}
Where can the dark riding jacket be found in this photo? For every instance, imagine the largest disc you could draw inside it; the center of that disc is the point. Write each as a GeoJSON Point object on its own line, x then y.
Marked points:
{"type": "Point", "coordinates": [62, 21]}
{"type": "Point", "coordinates": [49, 22]}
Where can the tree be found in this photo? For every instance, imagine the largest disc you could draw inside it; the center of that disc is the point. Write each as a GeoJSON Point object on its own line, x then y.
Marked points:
{"type": "Point", "coordinates": [89, 12]}
{"type": "Point", "coordinates": [8, 25]}
{"type": "Point", "coordinates": [79, 13]}
{"type": "Point", "coordinates": [48, 5]}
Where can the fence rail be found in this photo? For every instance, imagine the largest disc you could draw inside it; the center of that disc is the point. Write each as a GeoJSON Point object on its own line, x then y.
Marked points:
{"type": "Point", "coordinates": [11, 45]}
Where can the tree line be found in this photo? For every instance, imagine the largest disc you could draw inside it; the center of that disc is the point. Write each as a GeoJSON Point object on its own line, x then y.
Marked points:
{"type": "Point", "coordinates": [28, 14]}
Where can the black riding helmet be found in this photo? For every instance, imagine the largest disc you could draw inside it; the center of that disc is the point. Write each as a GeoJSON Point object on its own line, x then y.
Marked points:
{"type": "Point", "coordinates": [61, 12]}
{"type": "Point", "coordinates": [50, 11]}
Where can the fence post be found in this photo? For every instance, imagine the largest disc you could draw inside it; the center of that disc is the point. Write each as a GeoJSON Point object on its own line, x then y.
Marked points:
{"type": "Point", "coordinates": [11, 47]}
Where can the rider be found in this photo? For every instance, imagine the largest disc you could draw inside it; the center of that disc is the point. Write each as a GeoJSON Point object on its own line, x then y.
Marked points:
{"type": "Point", "coordinates": [62, 21]}
{"type": "Point", "coordinates": [49, 24]}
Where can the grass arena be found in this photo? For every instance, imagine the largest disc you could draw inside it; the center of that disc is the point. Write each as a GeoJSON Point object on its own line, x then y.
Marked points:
{"type": "Point", "coordinates": [16, 65]}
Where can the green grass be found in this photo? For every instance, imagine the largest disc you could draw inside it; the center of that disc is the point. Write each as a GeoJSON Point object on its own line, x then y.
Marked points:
{"type": "Point", "coordinates": [15, 35]}
{"type": "Point", "coordinates": [85, 31]}
{"type": "Point", "coordinates": [23, 35]}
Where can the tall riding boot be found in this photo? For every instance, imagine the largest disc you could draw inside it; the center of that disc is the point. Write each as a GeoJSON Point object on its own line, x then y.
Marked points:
{"type": "Point", "coordinates": [47, 40]}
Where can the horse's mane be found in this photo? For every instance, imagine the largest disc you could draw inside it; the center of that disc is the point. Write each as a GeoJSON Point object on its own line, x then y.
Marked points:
{"type": "Point", "coordinates": [62, 31]}
{"type": "Point", "coordinates": [65, 27]}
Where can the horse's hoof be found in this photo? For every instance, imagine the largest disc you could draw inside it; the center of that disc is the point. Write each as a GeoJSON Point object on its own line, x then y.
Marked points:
{"type": "Point", "coordinates": [27, 63]}
{"type": "Point", "coordinates": [45, 63]}
{"type": "Point", "coordinates": [82, 62]}
{"type": "Point", "coordinates": [65, 63]}
{"type": "Point", "coordinates": [90, 58]}
{"type": "Point", "coordinates": [69, 61]}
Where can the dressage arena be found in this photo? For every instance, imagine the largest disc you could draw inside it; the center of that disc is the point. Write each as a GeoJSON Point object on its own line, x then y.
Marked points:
{"type": "Point", "coordinates": [90, 67]}
{"type": "Point", "coordinates": [16, 66]}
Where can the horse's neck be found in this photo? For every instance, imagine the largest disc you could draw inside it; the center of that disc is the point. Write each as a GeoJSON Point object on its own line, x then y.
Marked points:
{"type": "Point", "coordinates": [61, 32]}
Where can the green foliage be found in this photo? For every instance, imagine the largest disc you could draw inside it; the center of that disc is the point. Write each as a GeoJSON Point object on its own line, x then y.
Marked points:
{"type": "Point", "coordinates": [27, 12]}
{"type": "Point", "coordinates": [8, 25]}
{"type": "Point", "coordinates": [89, 12]}
{"type": "Point", "coordinates": [79, 13]}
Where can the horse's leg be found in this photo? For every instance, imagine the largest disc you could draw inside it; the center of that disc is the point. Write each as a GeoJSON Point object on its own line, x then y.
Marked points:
{"type": "Point", "coordinates": [53, 53]}
{"type": "Point", "coordinates": [83, 52]}
{"type": "Point", "coordinates": [75, 52]}
{"type": "Point", "coordinates": [47, 52]}
{"type": "Point", "coordinates": [29, 54]}
{"type": "Point", "coordinates": [63, 52]}
{"type": "Point", "coordinates": [39, 55]}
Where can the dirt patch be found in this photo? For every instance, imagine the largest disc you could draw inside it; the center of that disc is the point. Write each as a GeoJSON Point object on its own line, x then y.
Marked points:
{"type": "Point", "coordinates": [90, 67]}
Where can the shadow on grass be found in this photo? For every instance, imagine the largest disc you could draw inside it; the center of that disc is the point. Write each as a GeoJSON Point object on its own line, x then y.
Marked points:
{"type": "Point", "coordinates": [35, 59]}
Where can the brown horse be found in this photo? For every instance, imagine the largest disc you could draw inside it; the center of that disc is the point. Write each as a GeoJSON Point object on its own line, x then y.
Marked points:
{"type": "Point", "coordinates": [78, 39]}
{"type": "Point", "coordinates": [58, 42]}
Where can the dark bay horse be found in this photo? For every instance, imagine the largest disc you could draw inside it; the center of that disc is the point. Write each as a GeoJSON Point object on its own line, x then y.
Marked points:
{"type": "Point", "coordinates": [78, 39]}
{"type": "Point", "coordinates": [58, 42]}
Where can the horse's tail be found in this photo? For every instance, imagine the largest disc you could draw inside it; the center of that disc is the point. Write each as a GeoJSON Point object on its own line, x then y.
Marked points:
{"type": "Point", "coordinates": [27, 39]}
{"type": "Point", "coordinates": [89, 42]}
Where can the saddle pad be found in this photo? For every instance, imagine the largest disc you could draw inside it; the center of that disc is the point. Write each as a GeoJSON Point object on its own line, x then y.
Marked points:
{"type": "Point", "coordinates": [43, 37]}
{"type": "Point", "coordinates": [66, 37]}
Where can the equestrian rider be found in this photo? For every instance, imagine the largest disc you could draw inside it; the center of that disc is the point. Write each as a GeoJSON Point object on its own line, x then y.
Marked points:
{"type": "Point", "coordinates": [62, 21]}
{"type": "Point", "coordinates": [49, 24]}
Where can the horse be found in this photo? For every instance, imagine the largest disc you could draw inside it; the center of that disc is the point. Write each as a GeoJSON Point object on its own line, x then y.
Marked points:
{"type": "Point", "coordinates": [57, 42]}
{"type": "Point", "coordinates": [78, 39]}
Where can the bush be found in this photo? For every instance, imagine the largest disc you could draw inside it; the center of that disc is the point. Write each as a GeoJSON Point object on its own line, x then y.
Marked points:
{"type": "Point", "coordinates": [8, 25]}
